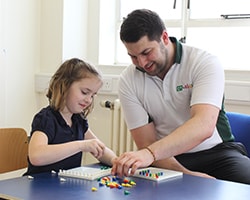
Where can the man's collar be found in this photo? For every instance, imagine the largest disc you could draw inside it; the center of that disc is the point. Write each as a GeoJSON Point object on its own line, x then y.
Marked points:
{"type": "Point", "coordinates": [178, 52]}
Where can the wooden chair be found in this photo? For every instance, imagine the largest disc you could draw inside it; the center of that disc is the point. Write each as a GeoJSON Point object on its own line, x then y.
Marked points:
{"type": "Point", "coordinates": [13, 149]}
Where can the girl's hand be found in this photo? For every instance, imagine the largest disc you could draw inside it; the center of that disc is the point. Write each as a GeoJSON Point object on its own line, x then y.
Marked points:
{"type": "Point", "coordinates": [94, 146]}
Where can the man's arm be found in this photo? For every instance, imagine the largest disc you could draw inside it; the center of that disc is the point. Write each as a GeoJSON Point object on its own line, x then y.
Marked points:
{"type": "Point", "coordinates": [144, 136]}
{"type": "Point", "coordinates": [199, 127]}
{"type": "Point", "coordinates": [194, 131]}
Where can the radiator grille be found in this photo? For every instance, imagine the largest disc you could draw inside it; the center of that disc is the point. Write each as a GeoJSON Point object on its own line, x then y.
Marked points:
{"type": "Point", "coordinates": [120, 136]}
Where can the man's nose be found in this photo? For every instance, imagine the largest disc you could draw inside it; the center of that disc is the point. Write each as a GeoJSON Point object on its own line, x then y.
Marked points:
{"type": "Point", "coordinates": [142, 61]}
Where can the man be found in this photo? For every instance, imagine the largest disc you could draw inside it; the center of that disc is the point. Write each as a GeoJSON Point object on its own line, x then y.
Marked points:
{"type": "Point", "coordinates": [172, 97]}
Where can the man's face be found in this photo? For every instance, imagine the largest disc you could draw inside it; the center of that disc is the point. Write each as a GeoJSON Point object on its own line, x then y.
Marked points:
{"type": "Point", "coordinates": [149, 56]}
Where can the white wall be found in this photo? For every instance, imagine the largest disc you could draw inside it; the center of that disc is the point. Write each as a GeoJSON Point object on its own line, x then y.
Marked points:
{"type": "Point", "coordinates": [51, 29]}
{"type": "Point", "coordinates": [237, 91]}
{"type": "Point", "coordinates": [19, 59]}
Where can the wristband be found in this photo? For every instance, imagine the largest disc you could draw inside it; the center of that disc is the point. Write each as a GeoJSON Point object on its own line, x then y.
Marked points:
{"type": "Point", "coordinates": [151, 152]}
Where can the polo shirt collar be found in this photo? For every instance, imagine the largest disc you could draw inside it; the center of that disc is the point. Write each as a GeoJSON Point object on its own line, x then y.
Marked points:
{"type": "Point", "coordinates": [178, 52]}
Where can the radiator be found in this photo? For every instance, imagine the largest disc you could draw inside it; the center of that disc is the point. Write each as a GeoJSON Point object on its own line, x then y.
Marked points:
{"type": "Point", "coordinates": [121, 140]}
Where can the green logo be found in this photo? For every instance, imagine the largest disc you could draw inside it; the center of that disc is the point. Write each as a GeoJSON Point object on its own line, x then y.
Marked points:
{"type": "Point", "coordinates": [179, 88]}
{"type": "Point", "coordinates": [182, 87]}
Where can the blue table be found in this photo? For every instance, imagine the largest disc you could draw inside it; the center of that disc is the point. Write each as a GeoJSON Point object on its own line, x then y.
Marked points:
{"type": "Point", "coordinates": [48, 186]}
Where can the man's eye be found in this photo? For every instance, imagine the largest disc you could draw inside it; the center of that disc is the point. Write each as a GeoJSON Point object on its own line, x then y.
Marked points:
{"type": "Point", "coordinates": [83, 92]}
{"type": "Point", "coordinates": [146, 53]}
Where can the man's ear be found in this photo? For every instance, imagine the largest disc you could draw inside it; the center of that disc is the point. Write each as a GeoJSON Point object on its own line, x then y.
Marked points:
{"type": "Point", "coordinates": [164, 37]}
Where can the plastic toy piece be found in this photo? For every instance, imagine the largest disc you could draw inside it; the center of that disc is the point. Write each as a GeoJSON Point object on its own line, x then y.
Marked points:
{"type": "Point", "coordinates": [88, 173]}
{"type": "Point", "coordinates": [156, 174]}
{"type": "Point", "coordinates": [126, 192]}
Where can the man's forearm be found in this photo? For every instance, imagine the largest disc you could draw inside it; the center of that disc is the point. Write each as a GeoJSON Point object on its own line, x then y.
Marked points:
{"type": "Point", "coordinates": [172, 164]}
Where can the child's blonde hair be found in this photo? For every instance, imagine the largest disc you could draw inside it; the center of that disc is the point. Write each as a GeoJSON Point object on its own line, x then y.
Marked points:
{"type": "Point", "coordinates": [70, 71]}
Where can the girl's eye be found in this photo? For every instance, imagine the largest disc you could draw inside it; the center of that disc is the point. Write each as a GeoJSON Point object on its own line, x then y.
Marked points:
{"type": "Point", "coordinates": [85, 93]}
{"type": "Point", "coordinates": [88, 93]}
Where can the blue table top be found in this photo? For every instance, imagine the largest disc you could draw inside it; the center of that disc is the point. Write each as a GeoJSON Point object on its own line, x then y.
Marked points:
{"type": "Point", "coordinates": [49, 186]}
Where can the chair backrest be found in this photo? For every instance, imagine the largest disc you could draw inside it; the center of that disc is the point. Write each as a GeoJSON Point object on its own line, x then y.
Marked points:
{"type": "Point", "coordinates": [240, 126]}
{"type": "Point", "coordinates": [13, 149]}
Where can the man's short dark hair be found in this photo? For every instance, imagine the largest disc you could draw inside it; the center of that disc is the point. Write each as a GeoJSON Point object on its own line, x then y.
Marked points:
{"type": "Point", "coordinates": [139, 23]}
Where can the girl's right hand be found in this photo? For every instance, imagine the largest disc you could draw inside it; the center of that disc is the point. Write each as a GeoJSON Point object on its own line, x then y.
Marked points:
{"type": "Point", "coordinates": [94, 146]}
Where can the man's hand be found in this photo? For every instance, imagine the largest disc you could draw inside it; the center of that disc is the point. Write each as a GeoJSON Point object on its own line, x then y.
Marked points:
{"type": "Point", "coordinates": [129, 162]}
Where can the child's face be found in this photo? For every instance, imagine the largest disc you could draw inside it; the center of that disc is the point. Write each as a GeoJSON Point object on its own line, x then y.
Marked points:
{"type": "Point", "coordinates": [81, 94]}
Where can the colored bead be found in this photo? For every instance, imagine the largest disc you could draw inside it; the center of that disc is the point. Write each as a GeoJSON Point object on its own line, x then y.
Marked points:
{"type": "Point", "coordinates": [132, 183]}
{"type": "Point", "coordinates": [125, 181]}
{"type": "Point", "coordinates": [115, 183]}
{"type": "Point", "coordinates": [126, 192]}
{"type": "Point", "coordinates": [101, 184]}
{"type": "Point", "coordinates": [62, 179]}
{"type": "Point", "coordinates": [119, 187]}
{"type": "Point", "coordinates": [30, 177]}
{"type": "Point", "coordinates": [112, 185]}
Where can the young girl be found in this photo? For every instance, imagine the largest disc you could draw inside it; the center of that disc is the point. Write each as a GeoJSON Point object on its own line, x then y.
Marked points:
{"type": "Point", "coordinates": [60, 132]}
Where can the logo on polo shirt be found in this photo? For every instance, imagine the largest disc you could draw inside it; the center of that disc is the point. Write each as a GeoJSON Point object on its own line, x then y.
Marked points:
{"type": "Point", "coordinates": [183, 87]}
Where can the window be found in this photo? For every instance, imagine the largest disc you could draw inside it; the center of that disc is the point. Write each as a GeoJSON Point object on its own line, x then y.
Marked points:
{"type": "Point", "coordinates": [214, 8]}
{"type": "Point", "coordinates": [163, 8]}
{"type": "Point", "coordinates": [221, 27]}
